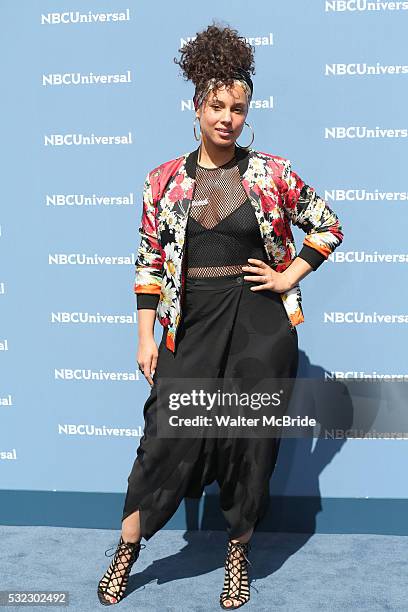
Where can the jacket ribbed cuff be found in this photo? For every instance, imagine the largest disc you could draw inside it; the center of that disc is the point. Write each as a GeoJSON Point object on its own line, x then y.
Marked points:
{"type": "Point", "coordinates": [147, 300]}
{"type": "Point", "coordinates": [312, 256]}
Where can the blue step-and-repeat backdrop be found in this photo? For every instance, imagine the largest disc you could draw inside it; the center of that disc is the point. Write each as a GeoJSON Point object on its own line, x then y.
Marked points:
{"type": "Point", "coordinates": [91, 101]}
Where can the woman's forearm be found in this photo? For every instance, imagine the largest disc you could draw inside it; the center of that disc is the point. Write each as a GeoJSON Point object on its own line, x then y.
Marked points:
{"type": "Point", "coordinates": [145, 322]}
{"type": "Point", "coordinates": [298, 269]}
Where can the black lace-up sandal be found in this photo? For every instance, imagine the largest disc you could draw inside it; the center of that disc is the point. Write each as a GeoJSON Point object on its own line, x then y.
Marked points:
{"type": "Point", "coordinates": [112, 586]}
{"type": "Point", "coordinates": [236, 583]}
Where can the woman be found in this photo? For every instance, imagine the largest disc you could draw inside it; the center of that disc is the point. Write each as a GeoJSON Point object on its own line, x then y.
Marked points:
{"type": "Point", "coordinates": [217, 265]}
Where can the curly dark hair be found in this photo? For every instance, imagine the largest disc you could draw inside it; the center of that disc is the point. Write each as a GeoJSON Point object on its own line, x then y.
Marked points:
{"type": "Point", "coordinates": [215, 52]}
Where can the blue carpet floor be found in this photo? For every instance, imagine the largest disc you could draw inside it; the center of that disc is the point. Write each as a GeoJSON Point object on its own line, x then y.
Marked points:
{"type": "Point", "coordinates": [183, 571]}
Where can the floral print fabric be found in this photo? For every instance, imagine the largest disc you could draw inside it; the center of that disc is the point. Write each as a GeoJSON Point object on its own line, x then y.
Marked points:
{"type": "Point", "coordinates": [280, 198]}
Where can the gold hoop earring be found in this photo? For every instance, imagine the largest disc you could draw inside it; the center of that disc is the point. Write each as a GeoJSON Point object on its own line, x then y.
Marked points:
{"type": "Point", "coordinates": [194, 129]}
{"type": "Point", "coordinates": [253, 136]}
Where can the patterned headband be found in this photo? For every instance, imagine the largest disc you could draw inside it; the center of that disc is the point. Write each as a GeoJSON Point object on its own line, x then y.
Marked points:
{"type": "Point", "coordinates": [240, 74]}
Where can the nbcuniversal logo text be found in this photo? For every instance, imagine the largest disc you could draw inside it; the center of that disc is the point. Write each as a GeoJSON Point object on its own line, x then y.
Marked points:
{"type": "Point", "coordinates": [266, 40]}
{"type": "Point", "coordinates": [86, 317]}
{"type": "Point", "coordinates": [266, 103]}
{"type": "Point", "coordinates": [80, 199]}
{"type": "Point", "coordinates": [58, 140]}
{"type": "Point", "coordinates": [363, 69]}
{"type": "Point", "coordinates": [81, 259]}
{"type": "Point", "coordinates": [88, 374]}
{"type": "Point", "coordinates": [362, 375]}
{"type": "Point", "coordinates": [364, 257]}
{"type": "Point", "coordinates": [340, 6]}
{"type": "Point", "coordinates": [363, 131]}
{"type": "Point", "coordinates": [6, 400]}
{"type": "Point", "coordinates": [68, 17]}
{"type": "Point", "coordinates": [77, 78]}
{"type": "Point", "coordinates": [94, 430]}
{"type": "Point", "coordinates": [363, 318]}
{"type": "Point", "coordinates": [8, 455]}
{"type": "Point", "coordinates": [364, 195]}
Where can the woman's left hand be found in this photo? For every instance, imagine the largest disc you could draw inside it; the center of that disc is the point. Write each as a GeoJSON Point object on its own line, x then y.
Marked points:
{"type": "Point", "coordinates": [274, 281]}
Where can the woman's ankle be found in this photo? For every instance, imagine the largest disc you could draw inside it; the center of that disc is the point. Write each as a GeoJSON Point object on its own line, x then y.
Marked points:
{"type": "Point", "coordinates": [131, 538]}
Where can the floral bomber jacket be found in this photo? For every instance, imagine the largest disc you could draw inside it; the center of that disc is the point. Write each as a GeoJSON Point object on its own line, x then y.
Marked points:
{"type": "Point", "coordinates": [279, 197]}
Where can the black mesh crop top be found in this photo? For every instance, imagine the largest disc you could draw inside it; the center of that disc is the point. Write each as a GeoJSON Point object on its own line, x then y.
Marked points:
{"type": "Point", "coordinates": [222, 229]}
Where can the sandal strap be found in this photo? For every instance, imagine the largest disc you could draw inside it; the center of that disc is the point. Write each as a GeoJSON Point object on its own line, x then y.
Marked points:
{"type": "Point", "coordinates": [123, 546]}
{"type": "Point", "coordinates": [242, 547]}
{"type": "Point", "coordinates": [114, 582]}
{"type": "Point", "coordinates": [236, 580]}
